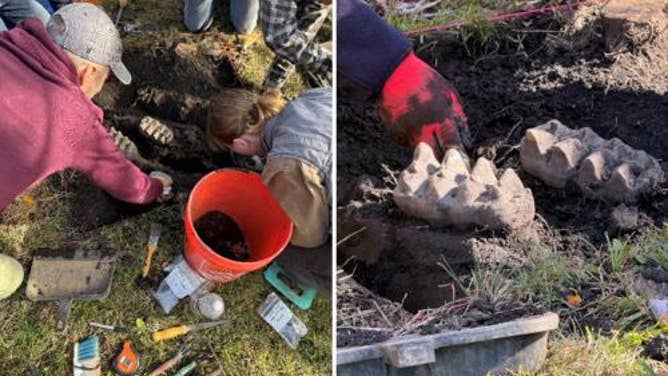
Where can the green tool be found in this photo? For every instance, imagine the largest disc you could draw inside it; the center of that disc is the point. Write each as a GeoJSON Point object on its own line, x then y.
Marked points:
{"type": "Point", "coordinates": [302, 296]}
{"type": "Point", "coordinates": [187, 369]}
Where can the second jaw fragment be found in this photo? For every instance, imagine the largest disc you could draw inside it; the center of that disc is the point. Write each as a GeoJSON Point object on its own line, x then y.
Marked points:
{"type": "Point", "coordinates": [453, 193]}
{"type": "Point", "coordinates": [606, 169]}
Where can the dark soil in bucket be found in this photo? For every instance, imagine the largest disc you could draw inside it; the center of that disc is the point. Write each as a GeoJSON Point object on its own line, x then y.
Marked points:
{"type": "Point", "coordinates": [222, 234]}
{"type": "Point", "coordinates": [519, 80]}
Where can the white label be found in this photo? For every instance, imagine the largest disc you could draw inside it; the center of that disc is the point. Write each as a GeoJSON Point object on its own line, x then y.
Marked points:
{"type": "Point", "coordinates": [183, 281]}
{"type": "Point", "coordinates": [279, 316]}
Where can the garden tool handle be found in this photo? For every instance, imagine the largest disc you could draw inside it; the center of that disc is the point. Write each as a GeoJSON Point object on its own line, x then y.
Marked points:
{"type": "Point", "coordinates": [166, 366]}
{"type": "Point", "coordinates": [170, 333]}
{"type": "Point", "coordinates": [147, 262]}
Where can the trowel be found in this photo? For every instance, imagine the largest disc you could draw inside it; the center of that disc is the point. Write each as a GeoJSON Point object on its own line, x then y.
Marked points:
{"type": "Point", "coordinates": [64, 275]}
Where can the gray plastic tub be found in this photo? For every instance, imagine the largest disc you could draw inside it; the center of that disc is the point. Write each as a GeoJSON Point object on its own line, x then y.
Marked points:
{"type": "Point", "coordinates": [494, 349]}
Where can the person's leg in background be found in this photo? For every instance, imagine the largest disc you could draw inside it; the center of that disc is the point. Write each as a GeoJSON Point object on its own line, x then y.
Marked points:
{"type": "Point", "coordinates": [46, 5]}
{"type": "Point", "coordinates": [244, 14]}
{"type": "Point", "coordinates": [14, 11]}
{"type": "Point", "coordinates": [310, 20]}
{"type": "Point", "coordinates": [197, 14]}
{"type": "Point", "coordinates": [57, 4]}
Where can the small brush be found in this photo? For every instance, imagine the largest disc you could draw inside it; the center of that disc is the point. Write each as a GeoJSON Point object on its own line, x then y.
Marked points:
{"type": "Point", "coordinates": [87, 357]}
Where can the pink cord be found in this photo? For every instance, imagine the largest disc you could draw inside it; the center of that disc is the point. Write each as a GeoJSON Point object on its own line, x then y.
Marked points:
{"type": "Point", "coordinates": [503, 17]}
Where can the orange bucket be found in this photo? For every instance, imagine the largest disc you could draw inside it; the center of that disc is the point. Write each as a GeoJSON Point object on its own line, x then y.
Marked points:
{"type": "Point", "coordinates": [242, 196]}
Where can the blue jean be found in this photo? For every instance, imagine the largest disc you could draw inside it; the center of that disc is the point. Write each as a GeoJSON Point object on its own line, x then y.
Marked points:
{"type": "Point", "coordinates": [14, 11]}
{"type": "Point", "coordinates": [243, 13]}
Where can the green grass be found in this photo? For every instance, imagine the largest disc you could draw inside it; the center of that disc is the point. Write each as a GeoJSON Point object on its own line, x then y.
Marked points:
{"type": "Point", "coordinates": [42, 217]}
{"type": "Point", "coordinates": [591, 354]}
{"type": "Point", "coordinates": [477, 34]}
{"type": "Point", "coordinates": [548, 274]}
{"type": "Point", "coordinates": [247, 346]}
{"type": "Point", "coordinates": [655, 250]}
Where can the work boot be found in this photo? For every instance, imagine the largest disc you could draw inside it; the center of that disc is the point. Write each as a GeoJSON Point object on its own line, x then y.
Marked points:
{"type": "Point", "coordinates": [11, 276]}
{"type": "Point", "coordinates": [309, 266]}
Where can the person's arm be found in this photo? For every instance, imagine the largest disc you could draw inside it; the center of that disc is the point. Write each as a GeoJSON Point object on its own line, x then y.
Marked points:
{"type": "Point", "coordinates": [368, 49]}
{"type": "Point", "coordinates": [98, 158]}
{"type": "Point", "coordinates": [416, 104]}
{"type": "Point", "coordinates": [282, 34]}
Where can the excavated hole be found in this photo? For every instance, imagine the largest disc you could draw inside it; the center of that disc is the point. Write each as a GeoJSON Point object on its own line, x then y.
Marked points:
{"type": "Point", "coordinates": [396, 256]}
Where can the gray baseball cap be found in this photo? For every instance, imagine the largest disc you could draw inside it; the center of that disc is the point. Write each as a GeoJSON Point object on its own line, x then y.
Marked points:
{"type": "Point", "coordinates": [87, 31]}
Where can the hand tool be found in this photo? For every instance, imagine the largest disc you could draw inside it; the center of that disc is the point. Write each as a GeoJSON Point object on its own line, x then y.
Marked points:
{"type": "Point", "coordinates": [86, 360]}
{"type": "Point", "coordinates": [112, 328]}
{"type": "Point", "coordinates": [152, 246]}
{"type": "Point", "coordinates": [127, 361]}
{"type": "Point", "coordinates": [166, 366]}
{"type": "Point", "coordinates": [177, 331]}
{"type": "Point", "coordinates": [65, 274]}
{"type": "Point", "coordinates": [121, 5]}
{"type": "Point", "coordinates": [187, 369]}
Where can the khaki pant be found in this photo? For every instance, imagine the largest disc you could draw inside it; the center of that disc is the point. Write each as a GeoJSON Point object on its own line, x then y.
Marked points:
{"type": "Point", "coordinates": [297, 187]}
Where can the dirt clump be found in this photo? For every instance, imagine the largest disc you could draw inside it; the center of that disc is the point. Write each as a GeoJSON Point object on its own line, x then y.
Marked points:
{"type": "Point", "coordinates": [623, 218]}
{"type": "Point", "coordinates": [223, 235]}
{"type": "Point", "coordinates": [657, 348]}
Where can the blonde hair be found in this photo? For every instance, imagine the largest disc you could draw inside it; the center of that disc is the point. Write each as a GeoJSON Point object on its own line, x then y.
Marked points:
{"type": "Point", "coordinates": [235, 112]}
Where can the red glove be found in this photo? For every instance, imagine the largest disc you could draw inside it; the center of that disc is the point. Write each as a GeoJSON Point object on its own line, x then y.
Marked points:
{"type": "Point", "coordinates": [418, 105]}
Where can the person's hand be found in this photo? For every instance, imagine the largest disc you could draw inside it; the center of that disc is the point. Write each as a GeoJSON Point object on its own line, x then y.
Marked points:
{"type": "Point", "coordinates": [418, 105]}
{"type": "Point", "coordinates": [166, 181]}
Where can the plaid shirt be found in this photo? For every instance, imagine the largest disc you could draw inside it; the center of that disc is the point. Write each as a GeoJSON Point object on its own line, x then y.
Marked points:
{"type": "Point", "coordinates": [289, 28]}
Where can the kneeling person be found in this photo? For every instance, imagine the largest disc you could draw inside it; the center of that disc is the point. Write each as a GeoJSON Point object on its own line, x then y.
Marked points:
{"type": "Point", "coordinates": [48, 122]}
{"type": "Point", "coordinates": [296, 140]}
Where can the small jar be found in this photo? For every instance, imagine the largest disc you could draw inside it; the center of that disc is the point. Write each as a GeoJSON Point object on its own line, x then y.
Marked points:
{"type": "Point", "coordinates": [209, 305]}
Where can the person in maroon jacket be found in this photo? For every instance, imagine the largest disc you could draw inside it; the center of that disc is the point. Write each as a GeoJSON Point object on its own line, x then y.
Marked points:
{"type": "Point", "coordinates": [48, 122]}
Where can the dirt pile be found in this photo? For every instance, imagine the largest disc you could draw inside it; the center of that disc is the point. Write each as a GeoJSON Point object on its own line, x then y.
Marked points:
{"type": "Point", "coordinates": [451, 192]}
{"type": "Point", "coordinates": [223, 235]}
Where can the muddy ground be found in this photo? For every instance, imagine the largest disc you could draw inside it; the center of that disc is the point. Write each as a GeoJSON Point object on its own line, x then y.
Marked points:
{"type": "Point", "coordinates": [173, 78]}
{"type": "Point", "coordinates": [528, 74]}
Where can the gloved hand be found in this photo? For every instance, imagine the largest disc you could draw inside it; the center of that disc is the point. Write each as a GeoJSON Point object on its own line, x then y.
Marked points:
{"type": "Point", "coordinates": [166, 181]}
{"type": "Point", "coordinates": [418, 105]}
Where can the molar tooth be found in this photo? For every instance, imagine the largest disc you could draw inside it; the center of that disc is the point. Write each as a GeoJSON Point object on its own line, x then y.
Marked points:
{"type": "Point", "coordinates": [563, 161]}
{"type": "Point", "coordinates": [538, 142]}
{"type": "Point", "coordinates": [511, 182]}
{"type": "Point", "coordinates": [592, 170]}
{"type": "Point", "coordinates": [484, 172]}
{"type": "Point", "coordinates": [454, 163]}
{"type": "Point", "coordinates": [424, 159]}
{"type": "Point", "coordinates": [621, 180]}
{"type": "Point", "coordinates": [469, 191]}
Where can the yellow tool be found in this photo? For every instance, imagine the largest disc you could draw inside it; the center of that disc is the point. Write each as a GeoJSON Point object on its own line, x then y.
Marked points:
{"type": "Point", "coordinates": [152, 246]}
{"type": "Point", "coordinates": [177, 331]}
{"type": "Point", "coordinates": [121, 5]}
